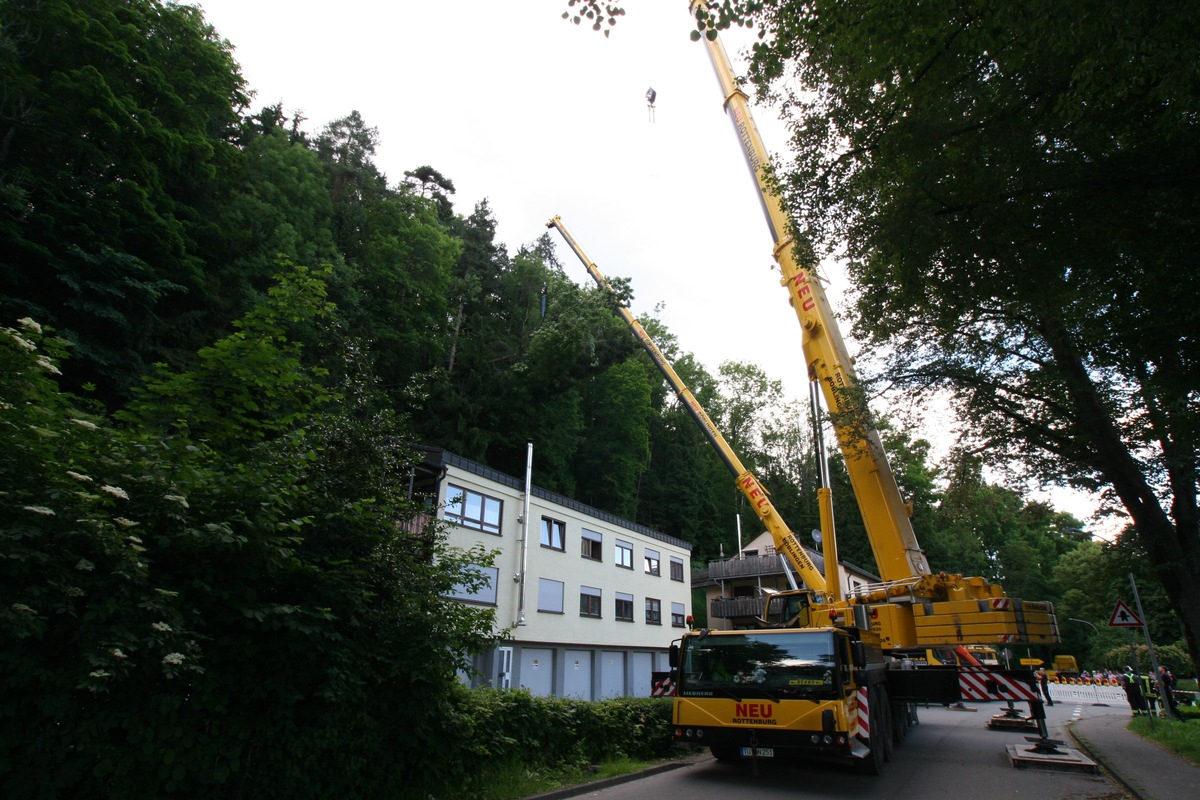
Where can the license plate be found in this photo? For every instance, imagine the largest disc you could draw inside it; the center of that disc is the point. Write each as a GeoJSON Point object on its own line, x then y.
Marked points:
{"type": "Point", "coordinates": [762, 752]}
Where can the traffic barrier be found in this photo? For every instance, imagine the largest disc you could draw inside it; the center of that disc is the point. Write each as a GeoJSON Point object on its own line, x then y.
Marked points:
{"type": "Point", "coordinates": [1081, 693]}
{"type": "Point", "coordinates": [1093, 681]}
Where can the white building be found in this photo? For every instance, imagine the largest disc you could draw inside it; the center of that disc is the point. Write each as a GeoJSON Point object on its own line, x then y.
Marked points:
{"type": "Point", "coordinates": [586, 603]}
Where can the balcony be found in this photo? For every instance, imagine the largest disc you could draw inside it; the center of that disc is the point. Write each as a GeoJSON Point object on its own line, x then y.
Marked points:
{"type": "Point", "coordinates": [735, 607]}
{"type": "Point", "coordinates": [750, 567]}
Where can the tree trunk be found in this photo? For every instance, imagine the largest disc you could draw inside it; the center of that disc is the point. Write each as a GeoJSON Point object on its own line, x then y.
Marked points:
{"type": "Point", "coordinates": [454, 339]}
{"type": "Point", "coordinates": [1174, 550]}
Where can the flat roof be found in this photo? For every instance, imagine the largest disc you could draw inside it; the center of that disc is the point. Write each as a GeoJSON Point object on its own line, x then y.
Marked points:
{"type": "Point", "coordinates": [483, 471]}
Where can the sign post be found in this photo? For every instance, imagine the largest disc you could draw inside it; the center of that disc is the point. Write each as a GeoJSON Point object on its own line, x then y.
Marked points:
{"type": "Point", "coordinates": [1123, 617]}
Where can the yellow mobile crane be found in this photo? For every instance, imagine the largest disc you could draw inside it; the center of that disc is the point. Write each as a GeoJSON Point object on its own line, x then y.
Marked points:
{"type": "Point", "coordinates": [828, 686]}
{"type": "Point", "coordinates": [810, 681]}
{"type": "Point", "coordinates": [817, 682]}
{"type": "Point", "coordinates": [912, 607]}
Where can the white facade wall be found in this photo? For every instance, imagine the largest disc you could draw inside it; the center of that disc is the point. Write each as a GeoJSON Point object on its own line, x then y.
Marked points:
{"type": "Point", "coordinates": [558, 649]}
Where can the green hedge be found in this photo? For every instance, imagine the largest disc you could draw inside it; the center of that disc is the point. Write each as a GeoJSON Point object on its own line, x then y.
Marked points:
{"type": "Point", "coordinates": [1172, 656]}
{"type": "Point", "coordinates": [514, 727]}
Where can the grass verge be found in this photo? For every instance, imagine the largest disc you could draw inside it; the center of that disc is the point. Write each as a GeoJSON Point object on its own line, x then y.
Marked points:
{"type": "Point", "coordinates": [511, 781]}
{"type": "Point", "coordinates": [1181, 737]}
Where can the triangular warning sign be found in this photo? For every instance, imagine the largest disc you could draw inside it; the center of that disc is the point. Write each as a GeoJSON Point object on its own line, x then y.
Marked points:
{"type": "Point", "coordinates": [1122, 617]}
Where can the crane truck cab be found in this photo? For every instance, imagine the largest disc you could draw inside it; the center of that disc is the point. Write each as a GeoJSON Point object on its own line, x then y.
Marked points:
{"type": "Point", "coordinates": [771, 693]}
{"type": "Point", "coordinates": [825, 692]}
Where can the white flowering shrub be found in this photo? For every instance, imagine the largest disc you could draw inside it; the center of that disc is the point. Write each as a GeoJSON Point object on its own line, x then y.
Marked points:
{"type": "Point", "coordinates": [66, 555]}
{"type": "Point", "coordinates": [210, 589]}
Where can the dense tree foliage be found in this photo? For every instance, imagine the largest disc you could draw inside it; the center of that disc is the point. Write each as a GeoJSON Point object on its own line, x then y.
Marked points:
{"type": "Point", "coordinates": [116, 125]}
{"type": "Point", "coordinates": [1011, 186]}
{"type": "Point", "coordinates": [203, 598]}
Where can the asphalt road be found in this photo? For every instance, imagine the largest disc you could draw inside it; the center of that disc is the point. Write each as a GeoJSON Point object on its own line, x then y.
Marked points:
{"type": "Point", "coordinates": [949, 755]}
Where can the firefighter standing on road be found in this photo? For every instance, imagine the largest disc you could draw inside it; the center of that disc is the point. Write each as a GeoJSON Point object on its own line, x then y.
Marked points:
{"type": "Point", "coordinates": [1133, 690]}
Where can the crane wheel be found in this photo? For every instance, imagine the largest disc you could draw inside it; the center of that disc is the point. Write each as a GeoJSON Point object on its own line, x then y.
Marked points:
{"type": "Point", "coordinates": [725, 753]}
{"type": "Point", "coordinates": [873, 763]}
{"type": "Point", "coordinates": [887, 733]}
{"type": "Point", "coordinates": [900, 722]}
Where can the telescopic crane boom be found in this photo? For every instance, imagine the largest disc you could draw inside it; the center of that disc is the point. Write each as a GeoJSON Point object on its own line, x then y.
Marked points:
{"type": "Point", "coordinates": [757, 495]}
{"type": "Point", "coordinates": [912, 605]}
{"type": "Point", "coordinates": [886, 516]}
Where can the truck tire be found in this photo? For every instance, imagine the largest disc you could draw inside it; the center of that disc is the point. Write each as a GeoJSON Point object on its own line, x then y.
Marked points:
{"type": "Point", "coordinates": [726, 753]}
{"type": "Point", "coordinates": [887, 733]}
{"type": "Point", "coordinates": [899, 722]}
{"type": "Point", "coordinates": [873, 763]}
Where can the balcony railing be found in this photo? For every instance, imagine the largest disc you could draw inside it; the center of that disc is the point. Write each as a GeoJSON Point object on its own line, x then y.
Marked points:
{"type": "Point", "coordinates": [750, 567]}
{"type": "Point", "coordinates": [733, 607]}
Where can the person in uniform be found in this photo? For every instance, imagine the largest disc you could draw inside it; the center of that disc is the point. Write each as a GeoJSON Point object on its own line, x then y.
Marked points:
{"type": "Point", "coordinates": [1133, 690]}
{"type": "Point", "coordinates": [1044, 682]}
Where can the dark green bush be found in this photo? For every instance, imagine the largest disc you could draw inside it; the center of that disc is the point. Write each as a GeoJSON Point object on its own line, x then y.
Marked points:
{"type": "Point", "coordinates": [192, 608]}
{"type": "Point", "coordinates": [512, 727]}
{"type": "Point", "coordinates": [1172, 656]}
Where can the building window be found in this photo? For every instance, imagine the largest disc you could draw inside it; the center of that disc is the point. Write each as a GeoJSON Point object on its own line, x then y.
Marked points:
{"type": "Point", "coordinates": [589, 601]}
{"type": "Point", "coordinates": [554, 534]}
{"type": "Point", "coordinates": [484, 593]}
{"type": "Point", "coordinates": [624, 607]}
{"type": "Point", "coordinates": [652, 563]}
{"type": "Point", "coordinates": [653, 611]}
{"type": "Point", "coordinates": [550, 596]}
{"type": "Point", "coordinates": [473, 510]}
{"type": "Point", "coordinates": [677, 613]}
{"type": "Point", "coordinates": [677, 569]}
{"type": "Point", "coordinates": [624, 555]}
{"type": "Point", "coordinates": [591, 545]}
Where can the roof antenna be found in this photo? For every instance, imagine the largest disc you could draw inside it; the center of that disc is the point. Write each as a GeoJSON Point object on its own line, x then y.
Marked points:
{"type": "Point", "coordinates": [650, 95]}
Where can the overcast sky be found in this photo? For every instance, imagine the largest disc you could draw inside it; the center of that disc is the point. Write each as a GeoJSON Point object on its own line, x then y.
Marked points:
{"type": "Point", "coordinates": [540, 117]}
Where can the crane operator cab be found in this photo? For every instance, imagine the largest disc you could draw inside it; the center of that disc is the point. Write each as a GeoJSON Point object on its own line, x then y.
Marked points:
{"type": "Point", "coordinates": [788, 610]}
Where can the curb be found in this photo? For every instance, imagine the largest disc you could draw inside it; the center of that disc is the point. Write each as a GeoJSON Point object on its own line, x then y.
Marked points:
{"type": "Point", "coordinates": [604, 783]}
{"type": "Point", "coordinates": [1090, 749]}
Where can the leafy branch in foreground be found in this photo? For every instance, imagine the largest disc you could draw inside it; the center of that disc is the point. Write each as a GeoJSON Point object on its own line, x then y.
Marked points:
{"type": "Point", "coordinates": [225, 588]}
